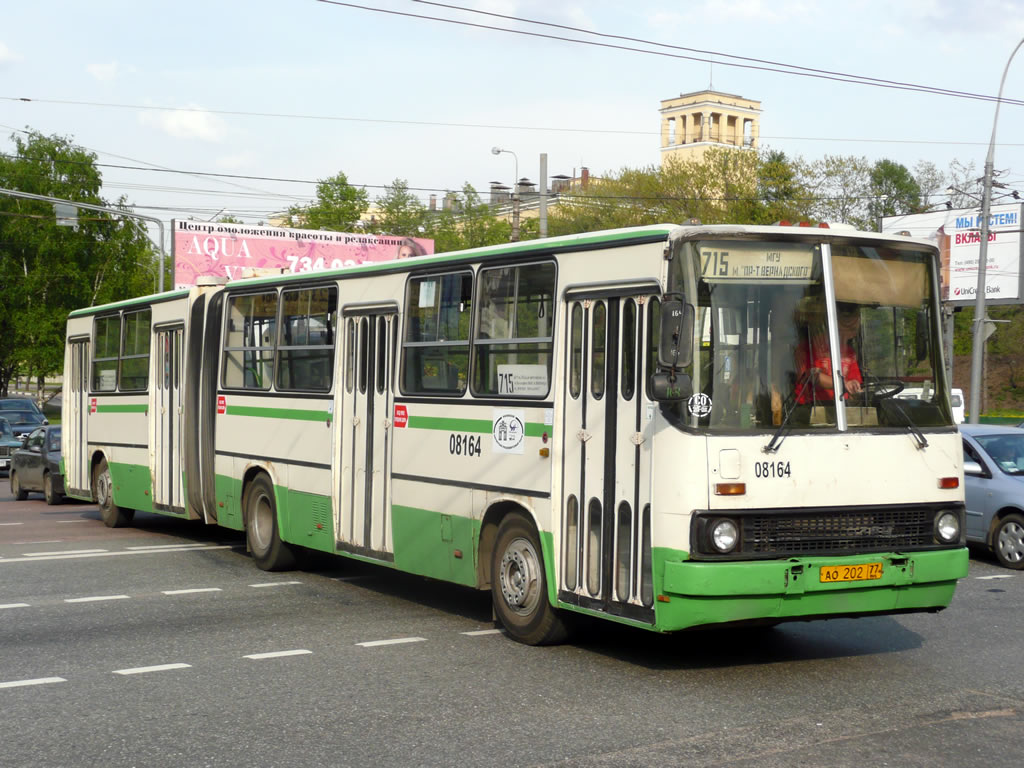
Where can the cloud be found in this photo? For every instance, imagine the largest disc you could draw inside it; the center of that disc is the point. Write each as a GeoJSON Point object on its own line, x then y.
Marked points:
{"type": "Point", "coordinates": [189, 123]}
{"type": "Point", "coordinates": [7, 56]}
{"type": "Point", "coordinates": [104, 72]}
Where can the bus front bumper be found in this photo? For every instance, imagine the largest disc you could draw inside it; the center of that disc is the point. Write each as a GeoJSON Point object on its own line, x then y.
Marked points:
{"type": "Point", "coordinates": [696, 593]}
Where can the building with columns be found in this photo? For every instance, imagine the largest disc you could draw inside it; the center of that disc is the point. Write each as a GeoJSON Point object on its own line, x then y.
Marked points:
{"type": "Point", "coordinates": [693, 122]}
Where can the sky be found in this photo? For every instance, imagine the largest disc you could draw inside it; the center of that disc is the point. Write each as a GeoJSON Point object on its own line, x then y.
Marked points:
{"type": "Point", "coordinates": [276, 95]}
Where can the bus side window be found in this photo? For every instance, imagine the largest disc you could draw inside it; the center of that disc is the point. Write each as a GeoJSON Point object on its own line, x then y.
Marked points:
{"type": "Point", "coordinates": [512, 346]}
{"type": "Point", "coordinates": [306, 347]}
{"type": "Point", "coordinates": [107, 333]}
{"type": "Point", "coordinates": [134, 364]}
{"type": "Point", "coordinates": [249, 341]}
{"type": "Point", "coordinates": [435, 352]}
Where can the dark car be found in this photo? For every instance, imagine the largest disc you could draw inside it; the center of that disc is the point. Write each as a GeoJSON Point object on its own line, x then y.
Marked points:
{"type": "Point", "coordinates": [36, 466]}
{"type": "Point", "coordinates": [18, 404]}
{"type": "Point", "coordinates": [994, 487]}
{"type": "Point", "coordinates": [8, 444]}
{"type": "Point", "coordinates": [23, 422]}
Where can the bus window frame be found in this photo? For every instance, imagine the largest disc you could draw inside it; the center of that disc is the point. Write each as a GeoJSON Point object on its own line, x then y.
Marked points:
{"type": "Point", "coordinates": [230, 297]}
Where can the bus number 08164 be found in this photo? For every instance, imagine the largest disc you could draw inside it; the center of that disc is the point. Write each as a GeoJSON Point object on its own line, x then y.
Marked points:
{"type": "Point", "coordinates": [464, 445]}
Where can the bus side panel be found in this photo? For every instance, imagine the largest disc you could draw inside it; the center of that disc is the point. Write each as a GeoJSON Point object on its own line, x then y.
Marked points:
{"type": "Point", "coordinates": [432, 542]}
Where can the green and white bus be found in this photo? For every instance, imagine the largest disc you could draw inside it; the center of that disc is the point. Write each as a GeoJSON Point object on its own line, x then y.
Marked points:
{"type": "Point", "coordinates": [637, 424]}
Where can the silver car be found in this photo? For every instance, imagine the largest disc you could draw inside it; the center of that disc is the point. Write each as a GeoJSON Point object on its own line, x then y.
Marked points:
{"type": "Point", "coordinates": [994, 486]}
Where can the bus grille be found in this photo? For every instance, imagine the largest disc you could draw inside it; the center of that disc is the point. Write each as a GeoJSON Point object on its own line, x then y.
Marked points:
{"type": "Point", "coordinates": [838, 531]}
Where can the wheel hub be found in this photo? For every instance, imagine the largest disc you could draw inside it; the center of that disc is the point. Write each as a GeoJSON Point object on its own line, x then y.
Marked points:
{"type": "Point", "coordinates": [1011, 542]}
{"type": "Point", "coordinates": [519, 576]}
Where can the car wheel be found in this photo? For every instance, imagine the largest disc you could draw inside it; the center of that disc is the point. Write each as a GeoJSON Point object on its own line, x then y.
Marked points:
{"type": "Point", "coordinates": [52, 496]}
{"type": "Point", "coordinates": [19, 493]}
{"type": "Point", "coordinates": [261, 534]}
{"type": "Point", "coordinates": [112, 515]}
{"type": "Point", "coordinates": [519, 586]}
{"type": "Point", "coordinates": [1008, 542]}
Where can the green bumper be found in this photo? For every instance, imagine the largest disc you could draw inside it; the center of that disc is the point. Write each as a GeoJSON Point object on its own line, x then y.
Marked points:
{"type": "Point", "coordinates": [692, 593]}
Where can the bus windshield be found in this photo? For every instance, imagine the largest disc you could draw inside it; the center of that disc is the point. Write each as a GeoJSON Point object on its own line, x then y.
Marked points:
{"type": "Point", "coordinates": [764, 350]}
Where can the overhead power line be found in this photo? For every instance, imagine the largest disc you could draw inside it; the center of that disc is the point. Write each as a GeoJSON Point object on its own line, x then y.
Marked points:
{"type": "Point", "coordinates": [785, 69]}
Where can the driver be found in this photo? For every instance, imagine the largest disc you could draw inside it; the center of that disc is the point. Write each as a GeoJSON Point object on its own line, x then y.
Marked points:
{"type": "Point", "coordinates": [812, 359]}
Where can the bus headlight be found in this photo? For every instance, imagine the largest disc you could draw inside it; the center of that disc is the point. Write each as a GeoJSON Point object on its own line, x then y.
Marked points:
{"type": "Point", "coordinates": [724, 535]}
{"type": "Point", "coordinates": [947, 527]}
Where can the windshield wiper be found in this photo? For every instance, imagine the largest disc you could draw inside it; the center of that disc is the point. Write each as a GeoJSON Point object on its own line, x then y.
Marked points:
{"type": "Point", "coordinates": [776, 442]}
{"type": "Point", "coordinates": [892, 404]}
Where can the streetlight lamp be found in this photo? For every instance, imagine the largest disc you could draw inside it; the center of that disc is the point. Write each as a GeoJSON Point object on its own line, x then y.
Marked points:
{"type": "Point", "coordinates": [979, 304]}
{"type": "Point", "coordinates": [514, 237]}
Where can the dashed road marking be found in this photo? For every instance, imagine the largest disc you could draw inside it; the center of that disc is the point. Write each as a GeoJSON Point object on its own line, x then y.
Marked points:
{"type": "Point", "coordinates": [63, 556]}
{"type": "Point", "coordinates": [14, 605]}
{"type": "Point", "coordinates": [96, 599]}
{"type": "Point", "coordinates": [11, 523]}
{"type": "Point", "coordinates": [75, 521]}
{"type": "Point", "coordinates": [190, 591]}
{"type": "Point", "coordinates": [144, 670]}
{"type": "Point", "coordinates": [995, 576]}
{"type": "Point", "coordinates": [37, 681]}
{"type": "Point", "coordinates": [65, 552]}
{"type": "Point", "coordinates": [481, 632]}
{"type": "Point", "coordinates": [396, 641]}
{"type": "Point", "coordinates": [274, 584]}
{"type": "Point", "coordinates": [153, 547]}
{"type": "Point", "coordinates": [277, 654]}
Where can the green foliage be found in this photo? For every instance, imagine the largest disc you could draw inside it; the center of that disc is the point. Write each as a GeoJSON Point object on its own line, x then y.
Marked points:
{"type": "Point", "coordinates": [338, 206]}
{"type": "Point", "coordinates": [466, 222]}
{"type": "Point", "coordinates": [894, 191]}
{"type": "Point", "coordinates": [49, 270]}
{"type": "Point", "coordinates": [840, 186]}
{"type": "Point", "coordinates": [399, 212]}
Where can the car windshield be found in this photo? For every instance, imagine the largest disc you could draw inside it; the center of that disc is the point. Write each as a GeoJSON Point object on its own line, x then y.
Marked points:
{"type": "Point", "coordinates": [20, 418]}
{"type": "Point", "coordinates": [5, 429]}
{"type": "Point", "coordinates": [762, 346]}
{"type": "Point", "coordinates": [1007, 451]}
{"type": "Point", "coordinates": [18, 404]}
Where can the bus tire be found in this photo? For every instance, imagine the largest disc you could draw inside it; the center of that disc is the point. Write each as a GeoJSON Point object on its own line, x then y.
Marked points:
{"type": "Point", "coordinates": [19, 493]}
{"type": "Point", "coordinates": [261, 533]}
{"type": "Point", "coordinates": [112, 515]}
{"type": "Point", "coordinates": [51, 495]}
{"type": "Point", "coordinates": [1008, 542]}
{"type": "Point", "coordinates": [519, 586]}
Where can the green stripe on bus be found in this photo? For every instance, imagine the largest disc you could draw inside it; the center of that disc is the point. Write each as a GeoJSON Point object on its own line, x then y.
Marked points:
{"type": "Point", "coordinates": [278, 413]}
{"type": "Point", "coordinates": [124, 408]}
{"type": "Point", "coordinates": [483, 426]}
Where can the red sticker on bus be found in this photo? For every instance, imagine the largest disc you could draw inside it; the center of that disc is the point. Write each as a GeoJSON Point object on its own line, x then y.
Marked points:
{"type": "Point", "coordinates": [401, 416]}
{"type": "Point", "coordinates": [92, 405]}
{"type": "Point", "coordinates": [222, 404]}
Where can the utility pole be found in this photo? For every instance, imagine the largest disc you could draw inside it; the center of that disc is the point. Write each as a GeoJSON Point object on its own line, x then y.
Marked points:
{"type": "Point", "coordinates": [978, 347]}
{"type": "Point", "coordinates": [514, 237]}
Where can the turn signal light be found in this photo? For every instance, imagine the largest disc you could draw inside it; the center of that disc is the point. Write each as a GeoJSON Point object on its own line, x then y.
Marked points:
{"type": "Point", "coordinates": [730, 489]}
{"type": "Point", "coordinates": [949, 483]}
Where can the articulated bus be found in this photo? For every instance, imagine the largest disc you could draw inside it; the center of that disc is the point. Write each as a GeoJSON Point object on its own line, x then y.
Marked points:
{"type": "Point", "coordinates": [637, 424]}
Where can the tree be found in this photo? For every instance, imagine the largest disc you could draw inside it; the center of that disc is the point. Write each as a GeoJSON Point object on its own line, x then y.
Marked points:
{"type": "Point", "coordinates": [840, 186]}
{"type": "Point", "coordinates": [338, 205]}
{"type": "Point", "coordinates": [466, 222]}
{"type": "Point", "coordinates": [931, 181]}
{"type": "Point", "coordinates": [894, 191]}
{"type": "Point", "coordinates": [49, 270]}
{"type": "Point", "coordinates": [399, 212]}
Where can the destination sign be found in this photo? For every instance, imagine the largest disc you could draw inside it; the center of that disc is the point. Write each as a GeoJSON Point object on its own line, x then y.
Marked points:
{"type": "Point", "coordinates": [734, 261]}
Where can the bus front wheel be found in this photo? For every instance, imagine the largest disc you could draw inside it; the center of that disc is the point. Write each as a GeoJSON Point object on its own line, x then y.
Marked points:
{"type": "Point", "coordinates": [261, 534]}
{"type": "Point", "coordinates": [519, 587]}
{"type": "Point", "coordinates": [112, 515]}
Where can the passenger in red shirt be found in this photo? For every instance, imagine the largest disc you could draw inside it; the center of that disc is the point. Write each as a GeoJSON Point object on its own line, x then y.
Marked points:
{"type": "Point", "coordinates": [813, 360]}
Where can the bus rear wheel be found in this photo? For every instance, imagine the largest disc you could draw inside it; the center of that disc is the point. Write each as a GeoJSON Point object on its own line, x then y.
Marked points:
{"type": "Point", "coordinates": [261, 533]}
{"type": "Point", "coordinates": [112, 515]}
{"type": "Point", "coordinates": [519, 586]}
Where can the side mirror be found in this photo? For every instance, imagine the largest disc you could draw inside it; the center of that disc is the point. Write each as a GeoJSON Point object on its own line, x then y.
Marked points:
{"type": "Point", "coordinates": [671, 387]}
{"type": "Point", "coordinates": [973, 468]}
{"type": "Point", "coordinates": [921, 336]}
{"type": "Point", "coordinates": [676, 343]}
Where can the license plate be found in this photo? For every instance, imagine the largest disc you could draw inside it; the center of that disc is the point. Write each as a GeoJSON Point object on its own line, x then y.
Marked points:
{"type": "Point", "coordinates": [863, 572]}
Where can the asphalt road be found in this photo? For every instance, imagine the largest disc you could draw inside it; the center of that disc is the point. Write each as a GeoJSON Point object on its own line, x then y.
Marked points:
{"type": "Point", "coordinates": [162, 645]}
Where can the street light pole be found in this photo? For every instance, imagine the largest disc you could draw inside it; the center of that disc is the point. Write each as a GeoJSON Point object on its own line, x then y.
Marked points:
{"type": "Point", "coordinates": [978, 346]}
{"type": "Point", "coordinates": [514, 237]}
{"type": "Point", "coordinates": [102, 209]}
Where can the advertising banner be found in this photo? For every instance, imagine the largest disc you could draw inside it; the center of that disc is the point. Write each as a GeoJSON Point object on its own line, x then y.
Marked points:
{"type": "Point", "coordinates": [214, 249]}
{"type": "Point", "coordinates": [957, 233]}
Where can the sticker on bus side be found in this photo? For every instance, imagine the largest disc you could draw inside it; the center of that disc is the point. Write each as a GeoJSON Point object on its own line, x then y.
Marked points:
{"type": "Point", "coordinates": [401, 416]}
{"type": "Point", "coordinates": [508, 431]}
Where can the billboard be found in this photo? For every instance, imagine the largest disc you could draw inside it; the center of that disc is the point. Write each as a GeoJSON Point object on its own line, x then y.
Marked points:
{"type": "Point", "coordinates": [215, 249]}
{"type": "Point", "coordinates": [957, 233]}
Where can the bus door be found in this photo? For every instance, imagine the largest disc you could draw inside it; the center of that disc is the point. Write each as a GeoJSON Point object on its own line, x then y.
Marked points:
{"type": "Point", "coordinates": [167, 417]}
{"type": "Point", "coordinates": [365, 487]}
{"type": "Point", "coordinates": [606, 504]}
{"type": "Point", "coordinates": [75, 429]}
